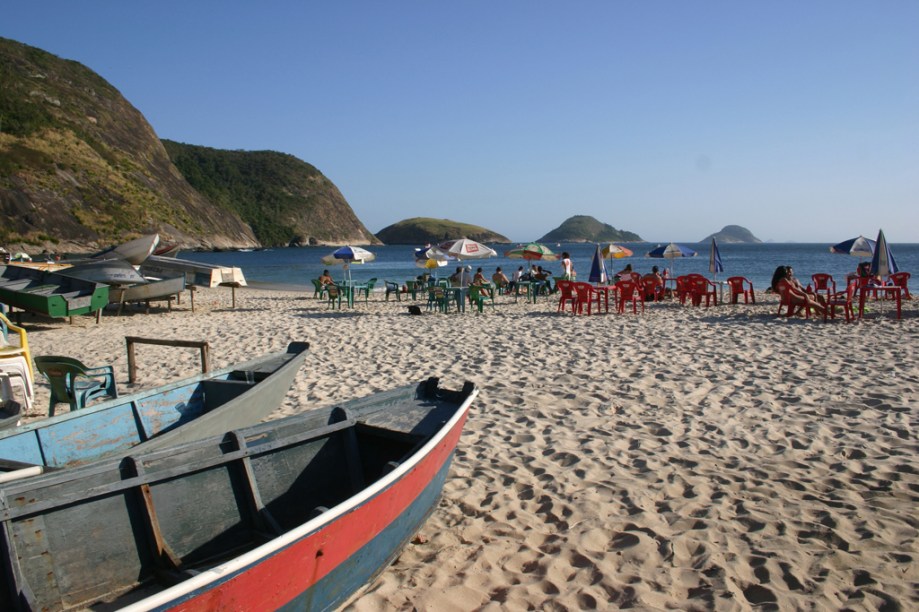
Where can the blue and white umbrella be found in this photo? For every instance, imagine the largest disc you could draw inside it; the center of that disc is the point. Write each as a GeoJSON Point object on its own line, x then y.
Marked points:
{"type": "Point", "coordinates": [714, 259]}
{"type": "Point", "coordinates": [671, 251]}
{"type": "Point", "coordinates": [857, 247]}
{"type": "Point", "coordinates": [348, 255]}
{"type": "Point", "coordinates": [598, 268]}
{"type": "Point", "coordinates": [883, 263]}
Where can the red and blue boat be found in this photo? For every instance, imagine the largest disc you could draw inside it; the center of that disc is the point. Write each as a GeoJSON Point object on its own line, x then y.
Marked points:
{"type": "Point", "coordinates": [298, 513]}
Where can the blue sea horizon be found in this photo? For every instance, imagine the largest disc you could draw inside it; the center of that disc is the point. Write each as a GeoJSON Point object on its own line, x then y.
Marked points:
{"type": "Point", "coordinates": [757, 262]}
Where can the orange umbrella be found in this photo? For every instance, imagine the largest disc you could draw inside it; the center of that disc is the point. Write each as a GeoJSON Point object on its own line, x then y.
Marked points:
{"type": "Point", "coordinates": [614, 251]}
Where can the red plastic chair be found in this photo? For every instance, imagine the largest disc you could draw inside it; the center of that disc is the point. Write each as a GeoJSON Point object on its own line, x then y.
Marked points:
{"type": "Point", "coordinates": [629, 291]}
{"type": "Point", "coordinates": [844, 299]}
{"type": "Point", "coordinates": [587, 295]}
{"type": "Point", "coordinates": [784, 300]}
{"type": "Point", "coordinates": [566, 296]}
{"type": "Point", "coordinates": [824, 283]}
{"type": "Point", "coordinates": [739, 285]}
{"type": "Point", "coordinates": [653, 292]}
{"type": "Point", "coordinates": [683, 288]}
{"type": "Point", "coordinates": [704, 288]}
{"type": "Point", "coordinates": [901, 280]}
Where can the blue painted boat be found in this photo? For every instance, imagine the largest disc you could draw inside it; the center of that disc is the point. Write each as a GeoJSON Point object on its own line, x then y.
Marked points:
{"type": "Point", "coordinates": [298, 513]}
{"type": "Point", "coordinates": [189, 409]}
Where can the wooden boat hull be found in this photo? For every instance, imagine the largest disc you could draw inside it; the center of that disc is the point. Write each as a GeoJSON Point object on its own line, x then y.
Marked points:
{"type": "Point", "coordinates": [189, 409]}
{"type": "Point", "coordinates": [149, 290]}
{"type": "Point", "coordinates": [50, 293]}
{"type": "Point", "coordinates": [299, 514]}
{"type": "Point", "coordinates": [134, 251]}
{"type": "Point", "coordinates": [108, 271]}
{"type": "Point", "coordinates": [196, 273]}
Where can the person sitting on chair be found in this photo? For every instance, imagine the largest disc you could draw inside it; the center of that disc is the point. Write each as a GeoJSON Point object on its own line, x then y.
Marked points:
{"type": "Point", "coordinates": [657, 288]}
{"type": "Point", "coordinates": [785, 284]}
{"type": "Point", "coordinates": [864, 271]}
{"type": "Point", "coordinates": [625, 273]}
{"type": "Point", "coordinates": [500, 280]}
{"type": "Point", "coordinates": [479, 279]}
{"type": "Point", "coordinates": [326, 278]}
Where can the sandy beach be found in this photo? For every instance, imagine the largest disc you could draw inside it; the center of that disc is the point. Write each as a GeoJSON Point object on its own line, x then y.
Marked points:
{"type": "Point", "coordinates": [687, 458]}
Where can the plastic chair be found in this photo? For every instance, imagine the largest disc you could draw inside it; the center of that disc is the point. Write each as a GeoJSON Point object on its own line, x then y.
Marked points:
{"type": "Point", "coordinates": [480, 296]}
{"type": "Point", "coordinates": [824, 283]}
{"type": "Point", "coordinates": [652, 288]}
{"type": "Point", "coordinates": [12, 350]}
{"type": "Point", "coordinates": [333, 295]}
{"type": "Point", "coordinates": [319, 288]}
{"type": "Point", "coordinates": [366, 289]}
{"type": "Point", "coordinates": [844, 299]}
{"type": "Point", "coordinates": [566, 295]}
{"type": "Point", "coordinates": [704, 288]}
{"type": "Point", "coordinates": [15, 370]}
{"type": "Point", "coordinates": [393, 287]}
{"type": "Point", "coordinates": [587, 295]}
{"type": "Point", "coordinates": [901, 280]}
{"type": "Point", "coordinates": [437, 298]}
{"type": "Point", "coordinates": [785, 301]}
{"type": "Point", "coordinates": [739, 285]}
{"type": "Point", "coordinates": [683, 288]}
{"type": "Point", "coordinates": [75, 383]}
{"type": "Point", "coordinates": [629, 291]}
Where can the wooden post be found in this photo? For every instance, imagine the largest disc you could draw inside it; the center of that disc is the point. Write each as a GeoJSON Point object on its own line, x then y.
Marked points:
{"type": "Point", "coordinates": [132, 340]}
{"type": "Point", "coordinates": [191, 293]}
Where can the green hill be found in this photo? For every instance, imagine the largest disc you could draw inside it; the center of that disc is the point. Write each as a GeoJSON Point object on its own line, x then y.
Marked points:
{"type": "Point", "coordinates": [82, 169]}
{"type": "Point", "coordinates": [283, 199]}
{"type": "Point", "coordinates": [583, 228]}
{"type": "Point", "coordinates": [423, 230]}
{"type": "Point", "coordinates": [734, 234]}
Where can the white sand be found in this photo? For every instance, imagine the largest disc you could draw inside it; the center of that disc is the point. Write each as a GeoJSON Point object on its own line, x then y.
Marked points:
{"type": "Point", "coordinates": [687, 458]}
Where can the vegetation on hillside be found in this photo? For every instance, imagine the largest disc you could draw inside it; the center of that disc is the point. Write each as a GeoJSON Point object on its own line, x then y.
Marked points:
{"type": "Point", "coordinates": [583, 228]}
{"type": "Point", "coordinates": [422, 230]}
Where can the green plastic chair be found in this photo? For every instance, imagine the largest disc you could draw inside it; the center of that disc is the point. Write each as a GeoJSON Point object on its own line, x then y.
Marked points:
{"type": "Point", "coordinates": [480, 296]}
{"type": "Point", "coordinates": [74, 383]}
{"type": "Point", "coordinates": [320, 289]}
{"type": "Point", "coordinates": [437, 298]}
{"type": "Point", "coordinates": [333, 294]}
{"type": "Point", "coordinates": [366, 289]}
{"type": "Point", "coordinates": [393, 287]}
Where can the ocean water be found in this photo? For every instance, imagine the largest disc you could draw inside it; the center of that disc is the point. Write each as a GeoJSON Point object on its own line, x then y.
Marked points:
{"type": "Point", "coordinates": [757, 262]}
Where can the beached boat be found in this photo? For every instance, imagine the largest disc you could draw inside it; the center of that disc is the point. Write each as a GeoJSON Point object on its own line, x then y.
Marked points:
{"type": "Point", "coordinates": [108, 271]}
{"type": "Point", "coordinates": [50, 293]}
{"type": "Point", "coordinates": [297, 513]}
{"type": "Point", "coordinates": [188, 409]}
{"type": "Point", "coordinates": [148, 291]}
{"type": "Point", "coordinates": [134, 251]}
{"type": "Point", "coordinates": [196, 273]}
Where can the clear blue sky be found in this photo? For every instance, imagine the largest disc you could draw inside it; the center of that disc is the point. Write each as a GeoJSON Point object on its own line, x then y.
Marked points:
{"type": "Point", "coordinates": [798, 120]}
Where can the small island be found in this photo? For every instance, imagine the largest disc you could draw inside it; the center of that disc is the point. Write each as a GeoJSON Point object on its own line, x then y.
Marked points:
{"type": "Point", "coordinates": [423, 230]}
{"type": "Point", "coordinates": [733, 234]}
{"type": "Point", "coordinates": [584, 228]}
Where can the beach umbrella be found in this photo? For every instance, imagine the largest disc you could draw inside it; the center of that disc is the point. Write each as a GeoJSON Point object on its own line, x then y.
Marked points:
{"type": "Point", "coordinates": [464, 248]}
{"type": "Point", "coordinates": [532, 251]}
{"type": "Point", "coordinates": [857, 247]}
{"type": "Point", "coordinates": [671, 251]}
{"type": "Point", "coordinates": [598, 268]}
{"type": "Point", "coordinates": [714, 259]}
{"type": "Point", "coordinates": [347, 255]}
{"type": "Point", "coordinates": [883, 263]}
{"type": "Point", "coordinates": [614, 251]}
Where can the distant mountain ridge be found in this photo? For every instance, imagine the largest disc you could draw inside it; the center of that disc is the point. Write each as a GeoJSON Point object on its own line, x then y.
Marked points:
{"type": "Point", "coordinates": [734, 234]}
{"type": "Point", "coordinates": [584, 228]}
{"type": "Point", "coordinates": [423, 230]}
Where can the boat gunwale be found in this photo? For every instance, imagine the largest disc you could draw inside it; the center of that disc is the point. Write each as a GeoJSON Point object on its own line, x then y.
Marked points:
{"type": "Point", "coordinates": [227, 570]}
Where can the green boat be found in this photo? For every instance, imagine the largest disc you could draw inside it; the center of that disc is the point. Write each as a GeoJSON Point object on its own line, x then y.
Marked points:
{"type": "Point", "coordinates": [49, 293]}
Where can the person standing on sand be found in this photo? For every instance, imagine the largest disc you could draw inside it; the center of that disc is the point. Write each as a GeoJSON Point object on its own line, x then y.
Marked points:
{"type": "Point", "coordinates": [567, 267]}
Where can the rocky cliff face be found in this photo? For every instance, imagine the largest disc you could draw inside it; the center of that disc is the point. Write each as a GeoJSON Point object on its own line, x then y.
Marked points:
{"type": "Point", "coordinates": [81, 169]}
